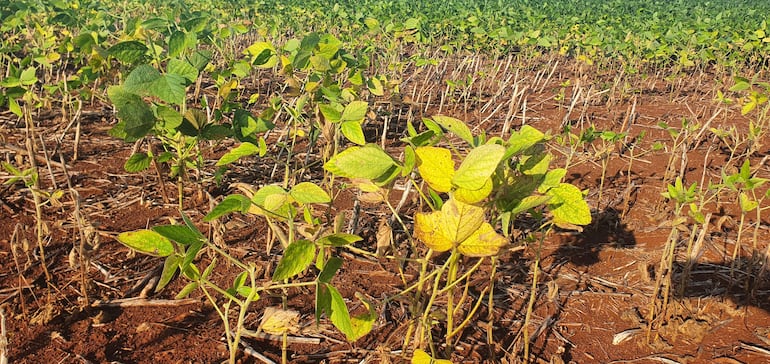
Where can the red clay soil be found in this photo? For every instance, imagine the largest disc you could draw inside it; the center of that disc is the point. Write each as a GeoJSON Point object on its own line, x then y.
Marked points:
{"type": "Point", "coordinates": [595, 286]}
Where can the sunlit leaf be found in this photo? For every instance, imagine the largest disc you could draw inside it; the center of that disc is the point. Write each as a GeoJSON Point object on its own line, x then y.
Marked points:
{"type": "Point", "coordinates": [456, 126]}
{"type": "Point", "coordinates": [178, 233]}
{"type": "Point", "coordinates": [307, 192]}
{"type": "Point", "coordinates": [148, 242]}
{"type": "Point", "coordinates": [484, 242]}
{"type": "Point", "coordinates": [355, 111]}
{"type": "Point", "coordinates": [436, 167]}
{"type": "Point", "coordinates": [568, 206]}
{"type": "Point", "coordinates": [353, 131]}
{"type": "Point", "coordinates": [368, 161]}
{"type": "Point", "coordinates": [474, 196]}
{"type": "Point", "coordinates": [243, 150]}
{"type": "Point", "coordinates": [421, 357]}
{"type": "Point", "coordinates": [478, 166]}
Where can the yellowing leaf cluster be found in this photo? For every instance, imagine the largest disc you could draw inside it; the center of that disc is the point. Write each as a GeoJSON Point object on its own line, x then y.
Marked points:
{"type": "Point", "coordinates": [461, 226]}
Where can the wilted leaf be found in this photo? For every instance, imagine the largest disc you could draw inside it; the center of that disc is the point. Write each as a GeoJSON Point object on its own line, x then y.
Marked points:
{"type": "Point", "coordinates": [277, 321]}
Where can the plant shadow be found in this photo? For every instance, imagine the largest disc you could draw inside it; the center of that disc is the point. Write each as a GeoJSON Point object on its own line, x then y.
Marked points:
{"type": "Point", "coordinates": [607, 231]}
{"type": "Point", "coordinates": [742, 281]}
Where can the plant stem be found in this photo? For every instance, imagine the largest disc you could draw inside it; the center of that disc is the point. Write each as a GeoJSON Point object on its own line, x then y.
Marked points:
{"type": "Point", "coordinates": [450, 283]}
{"type": "Point", "coordinates": [532, 296]}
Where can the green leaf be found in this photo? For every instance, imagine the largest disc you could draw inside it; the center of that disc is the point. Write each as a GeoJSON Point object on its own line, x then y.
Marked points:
{"type": "Point", "coordinates": [170, 265]}
{"type": "Point", "coordinates": [353, 131]}
{"type": "Point", "coordinates": [242, 150]}
{"type": "Point", "coordinates": [331, 267]}
{"type": "Point", "coordinates": [246, 125]}
{"type": "Point", "coordinates": [523, 139]}
{"type": "Point", "coordinates": [128, 52]}
{"type": "Point", "coordinates": [169, 88]}
{"type": "Point", "coordinates": [332, 112]}
{"type": "Point", "coordinates": [339, 239]}
{"type": "Point", "coordinates": [552, 179]}
{"type": "Point", "coordinates": [568, 206]}
{"type": "Point", "coordinates": [178, 233]}
{"type": "Point", "coordinates": [368, 161]}
{"type": "Point", "coordinates": [171, 118]}
{"type": "Point", "coordinates": [189, 288]}
{"type": "Point", "coordinates": [362, 324]}
{"type": "Point", "coordinates": [296, 258]}
{"type": "Point", "coordinates": [231, 203]}
{"type": "Point", "coordinates": [176, 43]}
{"type": "Point", "coordinates": [132, 110]}
{"type": "Point", "coordinates": [478, 166]}
{"type": "Point", "coordinates": [307, 192]}
{"type": "Point", "coordinates": [140, 79]}
{"type": "Point", "coordinates": [456, 126]}
{"type": "Point", "coordinates": [137, 162]}
{"type": "Point", "coordinates": [529, 202]}
{"type": "Point", "coordinates": [182, 68]}
{"type": "Point", "coordinates": [339, 314]}
{"type": "Point", "coordinates": [14, 107]}
{"type": "Point", "coordinates": [355, 111]}
{"type": "Point", "coordinates": [27, 77]}
{"type": "Point", "coordinates": [148, 242]}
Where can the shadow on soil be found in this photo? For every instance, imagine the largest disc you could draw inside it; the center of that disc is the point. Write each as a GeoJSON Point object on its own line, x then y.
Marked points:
{"type": "Point", "coordinates": [607, 231]}
{"type": "Point", "coordinates": [742, 282]}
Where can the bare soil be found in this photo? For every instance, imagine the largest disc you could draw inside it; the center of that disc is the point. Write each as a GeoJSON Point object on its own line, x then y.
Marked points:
{"type": "Point", "coordinates": [593, 285]}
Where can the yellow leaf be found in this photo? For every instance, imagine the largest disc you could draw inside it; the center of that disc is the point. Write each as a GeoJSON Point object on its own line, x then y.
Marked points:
{"type": "Point", "coordinates": [277, 321]}
{"type": "Point", "coordinates": [427, 227]}
{"type": "Point", "coordinates": [436, 167]}
{"type": "Point", "coordinates": [421, 357]}
{"type": "Point", "coordinates": [484, 242]}
{"type": "Point", "coordinates": [474, 196]}
{"type": "Point", "coordinates": [460, 220]}
{"type": "Point", "coordinates": [443, 230]}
